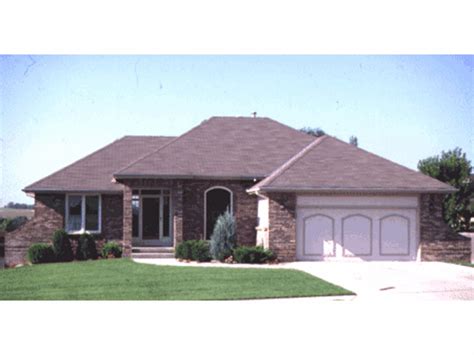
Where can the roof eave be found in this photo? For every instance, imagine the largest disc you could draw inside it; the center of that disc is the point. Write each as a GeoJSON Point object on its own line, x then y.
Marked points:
{"type": "Point", "coordinates": [69, 190]}
{"type": "Point", "coordinates": [347, 190]}
{"type": "Point", "coordinates": [187, 177]}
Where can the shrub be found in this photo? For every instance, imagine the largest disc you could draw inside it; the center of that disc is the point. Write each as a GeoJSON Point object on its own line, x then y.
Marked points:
{"type": "Point", "coordinates": [86, 248]}
{"type": "Point", "coordinates": [16, 223]}
{"type": "Point", "coordinates": [183, 250]}
{"type": "Point", "coordinates": [10, 224]}
{"type": "Point", "coordinates": [111, 249]}
{"type": "Point", "coordinates": [197, 250]}
{"type": "Point", "coordinates": [200, 251]}
{"type": "Point", "coordinates": [39, 253]}
{"type": "Point", "coordinates": [253, 255]}
{"type": "Point", "coordinates": [62, 246]}
{"type": "Point", "coordinates": [223, 237]}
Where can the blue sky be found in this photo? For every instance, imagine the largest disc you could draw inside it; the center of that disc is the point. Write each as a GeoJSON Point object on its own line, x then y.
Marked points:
{"type": "Point", "coordinates": [56, 109]}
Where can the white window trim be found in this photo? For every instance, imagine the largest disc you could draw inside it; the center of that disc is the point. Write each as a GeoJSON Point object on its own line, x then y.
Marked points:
{"type": "Point", "coordinates": [83, 214]}
{"type": "Point", "coordinates": [205, 205]}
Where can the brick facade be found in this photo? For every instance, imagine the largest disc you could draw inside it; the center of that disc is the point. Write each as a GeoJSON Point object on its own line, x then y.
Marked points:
{"type": "Point", "coordinates": [282, 225]}
{"type": "Point", "coordinates": [49, 217]}
{"type": "Point", "coordinates": [244, 209]}
{"type": "Point", "coordinates": [187, 199]}
{"type": "Point", "coordinates": [112, 217]}
{"type": "Point", "coordinates": [438, 242]}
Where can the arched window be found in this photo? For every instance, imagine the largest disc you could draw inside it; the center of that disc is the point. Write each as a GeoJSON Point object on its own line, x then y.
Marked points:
{"type": "Point", "coordinates": [217, 200]}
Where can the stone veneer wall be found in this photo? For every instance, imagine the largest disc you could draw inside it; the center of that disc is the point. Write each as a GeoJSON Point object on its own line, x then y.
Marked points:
{"type": "Point", "coordinates": [282, 225]}
{"type": "Point", "coordinates": [49, 217]}
{"type": "Point", "coordinates": [187, 199]}
{"type": "Point", "coordinates": [438, 242]}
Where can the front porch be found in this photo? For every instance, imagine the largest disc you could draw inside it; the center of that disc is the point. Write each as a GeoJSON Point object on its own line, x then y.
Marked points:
{"type": "Point", "coordinates": [158, 214]}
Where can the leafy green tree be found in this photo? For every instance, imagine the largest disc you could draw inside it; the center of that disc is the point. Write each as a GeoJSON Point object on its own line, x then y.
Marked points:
{"type": "Point", "coordinates": [354, 141]}
{"type": "Point", "coordinates": [317, 132]}
{"type": "Point", "coordinates": [453, 168]}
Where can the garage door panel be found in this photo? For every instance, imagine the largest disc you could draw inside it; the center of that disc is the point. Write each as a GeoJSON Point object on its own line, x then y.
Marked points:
{"type": "Point", "coordinates": [357, 235]}
{"type": "Point", "coordinates": [394, 235]}
{"type": "Point", "coordinates": [318, 236]}
{"type": "Point", "coordinates": [381, 232]}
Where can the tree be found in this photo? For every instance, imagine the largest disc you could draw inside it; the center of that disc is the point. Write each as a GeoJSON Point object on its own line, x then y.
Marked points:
{"type": "Point", "coordinates": [354, 141]}
{"type": "Point", "coordinates": [223, 238]}
{"type": "Point", "coordinates": [317, 132]}
{"type": "Point", "coordinates": [453, 168]}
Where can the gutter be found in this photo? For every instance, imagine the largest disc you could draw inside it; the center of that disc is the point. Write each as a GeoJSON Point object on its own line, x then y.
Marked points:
{"type": "Point", "coordinates": [259, 190]}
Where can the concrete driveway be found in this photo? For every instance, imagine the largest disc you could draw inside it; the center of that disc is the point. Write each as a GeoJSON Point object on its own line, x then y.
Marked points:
{"type": "Point", "coordinates": [396, 280]}
{"type": "Point", "coordinates": [376, 280]}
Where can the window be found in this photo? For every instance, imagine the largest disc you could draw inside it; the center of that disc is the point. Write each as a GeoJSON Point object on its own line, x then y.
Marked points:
{"type": "Point", "coordinates": [74, 208]}
{"type": "Point", "coordinates": [83, 213]}
{"type": "Point", "coordinates": [135, 214]}
{"type": "Point", "coordinates": [217, 200]}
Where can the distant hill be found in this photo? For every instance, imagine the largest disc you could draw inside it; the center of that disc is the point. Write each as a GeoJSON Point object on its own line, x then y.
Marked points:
{"type": "Point", "coordinates": [16, 212]}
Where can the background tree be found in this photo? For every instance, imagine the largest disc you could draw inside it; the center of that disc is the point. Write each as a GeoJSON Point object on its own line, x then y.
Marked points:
{"type": "Point", "coordinates": [453, 168]}
{"type": "Point", "coordinates": [317, 132]}
{"type": "Point", "coordinates": [354, 141]}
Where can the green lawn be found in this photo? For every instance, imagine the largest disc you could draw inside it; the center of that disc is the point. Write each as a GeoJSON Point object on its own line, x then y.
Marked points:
{"type": "Point", "coordinates": [123, 279]}
{"type": "Point", "coordinates": [466, 264]}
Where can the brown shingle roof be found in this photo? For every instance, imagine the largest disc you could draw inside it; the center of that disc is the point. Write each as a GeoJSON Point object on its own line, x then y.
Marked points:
{"type": "Point", "coordinates": [95, 171]}
{"type": "Point", "coordinates": [245, 148]}
{"type": "Point", "coordinates": [328, 164]}
{"type": "Point", "coordinates": [223, 147]}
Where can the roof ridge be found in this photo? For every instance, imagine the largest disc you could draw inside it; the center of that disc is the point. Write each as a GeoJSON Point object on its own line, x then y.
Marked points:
{"type": "Point", "coordinates": [145, 136]}
{"type": "Point", "coordinates": [391, 161]}
{"type": "Point", "coordinates": [285, 166]}
{"type": "Point", "coordinates": [162, 147]}
{"type": "Point", "coordinates": [261, 118]}
{"type": "Point", "coordinates": [73, 163]}
{"type": "Point", "coordinates": [287, 126]}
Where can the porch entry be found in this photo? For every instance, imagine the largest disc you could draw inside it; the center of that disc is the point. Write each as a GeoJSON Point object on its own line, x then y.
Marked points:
{"type": "Point", "coordinates": [151, 213]}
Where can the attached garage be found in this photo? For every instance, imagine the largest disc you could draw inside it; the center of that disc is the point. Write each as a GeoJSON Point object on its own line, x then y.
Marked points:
{"type": "Point", "coordinates": [357, 227]}
{"type": "Point", "coordinates": [335, 201]}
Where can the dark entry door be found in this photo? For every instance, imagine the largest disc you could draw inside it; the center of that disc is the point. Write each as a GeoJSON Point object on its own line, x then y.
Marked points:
{"type": "Point", "coordinates": [151, 218]}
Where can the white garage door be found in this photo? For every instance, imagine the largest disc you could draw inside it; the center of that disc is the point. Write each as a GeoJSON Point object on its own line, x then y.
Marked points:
{"type": "Point", "coordinates": [356, 227]}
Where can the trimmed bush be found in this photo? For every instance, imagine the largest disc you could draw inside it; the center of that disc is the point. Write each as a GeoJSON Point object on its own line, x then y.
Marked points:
{"type": "Point", "coordinates": [197, 250]}
{"type": "Point", "coordinates": [111, 249]}
{"type": "Point", "coordinates": [223, 237]}
{"type": "Point", "coordinates": [40, 253]}
{"type": "Point", "coordinates": [86, 248]}
{"type": "Point", "coordinates": [10, 224]}
{"type": "Point", "coordinates": [253, 255]}
{"type": "Point", "coordinates": [184, 250]}
{"type": "Point", "coordinates": [200, 251]}
{"type": "Point", "coordinates": [62, 246]}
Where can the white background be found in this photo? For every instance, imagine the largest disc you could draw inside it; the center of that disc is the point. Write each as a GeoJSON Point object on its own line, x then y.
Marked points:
{"type": "Point", "coordinates": [220, 27]}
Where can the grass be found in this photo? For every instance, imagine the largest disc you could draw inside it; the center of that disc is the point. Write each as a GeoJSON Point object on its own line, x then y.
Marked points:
{"type": "Point", "coordinates": [465, 264]}
{"type": "Point", "coordinates": [123, 279]}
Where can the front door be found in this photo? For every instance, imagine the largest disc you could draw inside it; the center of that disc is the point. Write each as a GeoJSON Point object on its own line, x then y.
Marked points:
{"type": "Point", "coordinates": [154, 227]}
{"type": "Point", "coordinates": [151, 218]}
